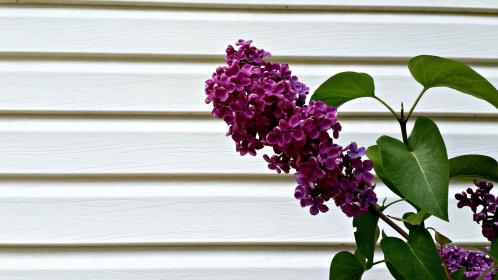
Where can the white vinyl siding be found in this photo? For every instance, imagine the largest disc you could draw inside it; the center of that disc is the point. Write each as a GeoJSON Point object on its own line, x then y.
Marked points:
{"type": "Point", "coordinates": [112, 168]}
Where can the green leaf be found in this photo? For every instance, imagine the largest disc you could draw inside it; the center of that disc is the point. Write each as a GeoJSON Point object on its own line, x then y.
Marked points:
{"type": "Point", "coordinates": [493, 251]}
{"type": "Point", "coordinates": [343, 87]}
{"type": "Point", "coordinates": [345, 266]}
{"type": "Point", "coordinates": [420, 173]}
{"type": "Point", "coordinates": [432, 71]}
{"type": "Point", "coordinates": [416, 218]}
{"type": "Point", "coordinates": [408, 225]}
{"type": "Point", "coordinates": [458, 275]}
{"type": "Point", "coordinates": [416, 259]}
{"type": "Point", "coordinates": [441, 239]}
{"type": "Point", "coordinates": [373, 154]}
{"type": "Point", "coordinates": [366, 235]}
{"type": "Point", "coordinates": [394, 272]}
{"type": "Point", "coordinates": [361, 258]}
{"type": "Point", "coordinates": [474, 166]}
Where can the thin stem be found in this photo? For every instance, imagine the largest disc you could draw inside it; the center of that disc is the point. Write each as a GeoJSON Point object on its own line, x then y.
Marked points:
{"type": "Point", "coordinates": [384, 207]}
{"type": "Point", "coordinates": [387, 106]}
{"type": "Point", "coordinates": [402, 123]}
{"type": "Point", "coordinates": [395, 218]}
{"type": "Point", "coordinates": [486, 272]}
{"type": "Point", "coordinates": [375, 211]}
{"type": "Point", "coordinates": [378, 262]}
{"type": "Point", "coordinates": [415, 104]}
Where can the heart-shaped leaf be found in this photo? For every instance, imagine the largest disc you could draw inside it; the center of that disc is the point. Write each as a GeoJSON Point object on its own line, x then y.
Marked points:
{"type": "Point", "coordinates": [408, 225]}
{"type": "Point", "coordinates": [366, 235]}
{"type": "Point", "coordinates": [416, 218]}
{"type": "Point", "coordinates": [343, 87]}
{"type": "Point", "coordinates": [441, 239]}
{"type": "Point", "coordinates": [394, 272]}
{"type": "Point", "coordinates": [474, 166]}
{"type": "Point", "coordinates": [373, 154]}
{"type": "Point", "coordinates": [345, 266]}
{"type": "Point", "coordinates": [421, 172]}
{"type": "Point", "coordinates": [433, 71]}
{"type": "Point", "coordinates": [416, 259]}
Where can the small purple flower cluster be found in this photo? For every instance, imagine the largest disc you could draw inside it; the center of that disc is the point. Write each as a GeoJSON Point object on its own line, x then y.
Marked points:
{"type": "Point", "coordinates": [264, 105]}
{"type": "Point", "coordinates": [484, 206]}
{"type": "Point", "coordinates": [252, 95]}
{"type": "Point", "coordinates": [474, 262]}
{"type": "Point", "coordinates": [324, 170]}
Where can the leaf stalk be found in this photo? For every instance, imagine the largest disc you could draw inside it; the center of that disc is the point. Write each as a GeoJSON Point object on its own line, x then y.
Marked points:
{"type": "Point", "coordinates": [415, 104]}
{"type": "Point", "coordinates": [387, 106]}
{"type": "Point", "coordinates": [375, 211]}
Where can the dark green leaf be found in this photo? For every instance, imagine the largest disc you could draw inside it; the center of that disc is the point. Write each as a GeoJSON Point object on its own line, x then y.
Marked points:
{"type": "Point", "coordinates": [441, 239]}
{"type": "Point", "coordinates": [366, 235]}
{"type": "Point", "coordinates": [416, 218]}
{"type": "Point", "coordinates": [458, 275]}
{"type": "Point", "coordinates": [416, 259]}
{"type": "Point", "coordinates": [407, 225]}
{"type": "Point", "coordinates": [474, 166]}
{"type": "Point", "coordinates": [344, 87]}
{"type": "Point", "coordinates": [373, 154]}
{"type": "Point", "coordinates": [345, 266]}
{"type": "Point", "coordinates": [420, 173]}
{"type": "Point", "coordinates": [361, 258]}
{"type": "Point", "coordinates": [493, 251]}
{"type": "Point", "coordinates": [394, 272]}
{"type": "Point", "coordinates": [432, 71]}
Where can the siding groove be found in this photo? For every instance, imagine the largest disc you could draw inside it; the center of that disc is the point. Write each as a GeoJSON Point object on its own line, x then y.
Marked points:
{"type": "Point", "coordinates": [370, 6]}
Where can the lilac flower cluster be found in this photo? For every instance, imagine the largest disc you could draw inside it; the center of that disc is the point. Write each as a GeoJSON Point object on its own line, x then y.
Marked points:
{"type": "Point", "coordinates": [484, 206]}
{"type": "Point", "coordinates": [324, 170]}
{"type": "Point", "coordinates": [474, 262]}
{"type": "Point", "coordinates": [252, 95]}
{"type": "Point", "coordinates": [264, 105]}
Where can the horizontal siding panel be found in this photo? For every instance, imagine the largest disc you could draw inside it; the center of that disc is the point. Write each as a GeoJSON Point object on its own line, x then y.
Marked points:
{"type": "Point", "coordinates": [200, 33]}
{"type": "Point", "coordinates": [176, 263]}
{"type": "Point", "coordinates": [175, 146]}
{"type": "Point", "coordinates": [185, 211]}
{"type": "Point", "coordinates": [424, 5]}
{"type": "Point", "coordinates": [178, 88]}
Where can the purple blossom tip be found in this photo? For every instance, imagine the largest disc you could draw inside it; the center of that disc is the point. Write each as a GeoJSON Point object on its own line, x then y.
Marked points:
{"type": "Point", "coordinates": [484, 206]}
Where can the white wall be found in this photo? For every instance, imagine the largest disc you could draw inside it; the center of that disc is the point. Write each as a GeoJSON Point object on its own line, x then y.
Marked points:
{"type": "Point", "coordinates": [112, 168]}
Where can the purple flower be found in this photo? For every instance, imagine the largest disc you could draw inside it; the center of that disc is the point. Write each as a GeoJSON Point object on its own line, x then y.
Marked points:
{"type": "Point", "coordinates": [362, 170]}
{"type": "Point", "coordinates": [354, 152]}
{"type": "Point", "coordinates": [252, 96]}
{"type": "Point", "coordinates": [324, 170]}
{"type": "Point", "coordinates": [483, 205]}
{"type": "Point", "coordinates": [264, 105]}
{"type": "Point", "coordinates": [474, 262]}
